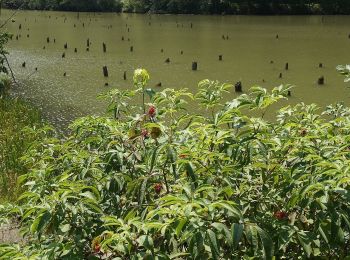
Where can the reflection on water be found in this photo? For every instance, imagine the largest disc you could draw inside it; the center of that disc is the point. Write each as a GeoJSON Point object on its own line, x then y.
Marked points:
{"type": "Point", "coordinates": [252, 54]}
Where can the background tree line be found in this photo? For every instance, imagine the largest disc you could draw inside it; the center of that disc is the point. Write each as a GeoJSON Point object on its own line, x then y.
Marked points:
{"type": "Point", "coordinates": [263, 7]}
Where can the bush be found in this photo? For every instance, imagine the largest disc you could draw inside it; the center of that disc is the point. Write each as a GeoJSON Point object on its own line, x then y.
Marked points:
{"type": "Point", "coordinates": [157, 182]}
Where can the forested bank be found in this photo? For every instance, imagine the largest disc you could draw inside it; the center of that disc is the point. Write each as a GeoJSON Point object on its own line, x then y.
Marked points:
{"type": "Point", "coordinates": [261, 7]}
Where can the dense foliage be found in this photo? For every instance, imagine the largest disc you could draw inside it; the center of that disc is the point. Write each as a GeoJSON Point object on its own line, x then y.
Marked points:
{"type": "Point", "coordinates": [157, 182]}
{"type": "Point", "coordinates": [192, 6]}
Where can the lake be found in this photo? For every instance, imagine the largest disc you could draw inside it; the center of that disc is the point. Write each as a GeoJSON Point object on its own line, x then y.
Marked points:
{"type": "Point", "coordinates": [256, 51]}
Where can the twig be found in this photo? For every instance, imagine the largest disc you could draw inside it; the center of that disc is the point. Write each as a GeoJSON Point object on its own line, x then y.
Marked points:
{"type": "Point", "coordinates": [13, 75]}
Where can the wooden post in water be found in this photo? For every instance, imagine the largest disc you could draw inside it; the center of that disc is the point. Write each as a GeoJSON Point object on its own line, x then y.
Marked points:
{"type": "Point", "coordinates": [63, 55]}
{"type": "Point", "coordinates": [104, 47]}
{"type": "Point", "coordinates": [48, 39]}
{"type": "Point", "coordinates": [105, 71]}
{"type": "Point", "coordinates": [220, 57]}
{"type": "Point", "coordinates": [320, 65]}
{"type": "Point", "coordinates": [182, 52]}
{"type": "Point", "coordinates": [280, 76]}
{"type": "Point", "coordinates": [194, 66]}
{"type": "Point", "coordinates": [75, 50]}
{"type": "Point", "coordinates": [23, 64]}
{"type": "Point", "coordinates": [65, 46]}
{"type": "Point", "coordinates": [88, 42]}
{"type": "Point", "coordinates": [320, 80]}
{"type": "Point", "coordinates": [20, 27]}
{"type": "Point", "coordinates": [289, 93]}
{"type": "Point", "coordinates": [124, 76]}
{"type": "Point", "coordinates": [287, 66]}
{"type": "Point", "coordinates": [131, 48]}
{"type": "Point", "coordinates": [238, 87]}
{"type": "Point", "coordinates": [167, 60]}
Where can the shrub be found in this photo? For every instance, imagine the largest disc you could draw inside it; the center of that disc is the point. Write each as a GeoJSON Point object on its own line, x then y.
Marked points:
{"type": "Point", "coordinates": [158, 182]}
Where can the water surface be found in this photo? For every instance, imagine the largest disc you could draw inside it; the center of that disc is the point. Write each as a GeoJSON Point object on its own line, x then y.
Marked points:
{"type": "Point", "coordinates": [251, 54]}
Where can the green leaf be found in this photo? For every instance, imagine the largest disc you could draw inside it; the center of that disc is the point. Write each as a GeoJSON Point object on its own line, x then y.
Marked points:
{"type": "Point", "coordinates": [40, 221]}
{"type": "Point", "coordinates": [237, 232]}
{"type": "Point", "coordinates": [213, 244]}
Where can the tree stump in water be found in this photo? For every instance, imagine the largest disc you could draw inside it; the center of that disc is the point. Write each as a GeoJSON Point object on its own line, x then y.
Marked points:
{"type": "Point", "coordinates": [280, 76]}
{"type": "Point", "coordinates": [194, 66]}
{"type": "Point", "coordinates": [320, 65]}
{"type": "Point", "coordinates": [131, 48]}
{"type": "Point", "coordinates": [167, 60]}
{"type": "Point", "coordinates": [23, 64]}
{"type": "Point", "coordinates": [88, 42]}
{"type": "Point", "coordinates": [220, 57]}
{"type": "Point", "coordinates": [48, 39]}
{"type": "Point", "coordinates": [238, 87]}
{"type": "Point", "coordinates": [104, 47]}
{"type": "Point", "coordinates": [320, 80]}
{"type": "Point", "coordinates": [65, 46]}
{"type": "Point", "coordinates": [75, 50]}
{"type": "Point", "coordinates": [287, 66]}
{"type": "Point", "coordinates": [63, 55]}
{"type": "Point", "coordinates": [124, 76]}
{"type": "Point", "coordinates": [105, 71]}
{"type": "Point", "coordinates": [289, 93]}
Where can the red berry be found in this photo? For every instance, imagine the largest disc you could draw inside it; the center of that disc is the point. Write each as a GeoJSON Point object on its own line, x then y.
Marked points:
{"type": "Point", "coordinates": [97, 248]}
{"type": "Point", "coordinates": [158, 188]}
{"type": "Point", "coordinates": [280, 215]}
{"type": "Point", "coordinates": [152, 111]}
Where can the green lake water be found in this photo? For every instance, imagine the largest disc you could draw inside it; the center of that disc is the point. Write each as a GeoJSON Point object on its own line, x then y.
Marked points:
{"type": "Point", "coordinates": [252, 54]}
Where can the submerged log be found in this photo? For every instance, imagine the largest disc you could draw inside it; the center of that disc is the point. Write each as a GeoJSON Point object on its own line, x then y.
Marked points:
{"type": "Point", "coordinates": [320, 80]}
{"type": "Point", "coordinates": [238, 87]}
{"type": "Point", "coordinates": [105, 71]}
{"type": "Point", "coordinates": [194, 66]}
